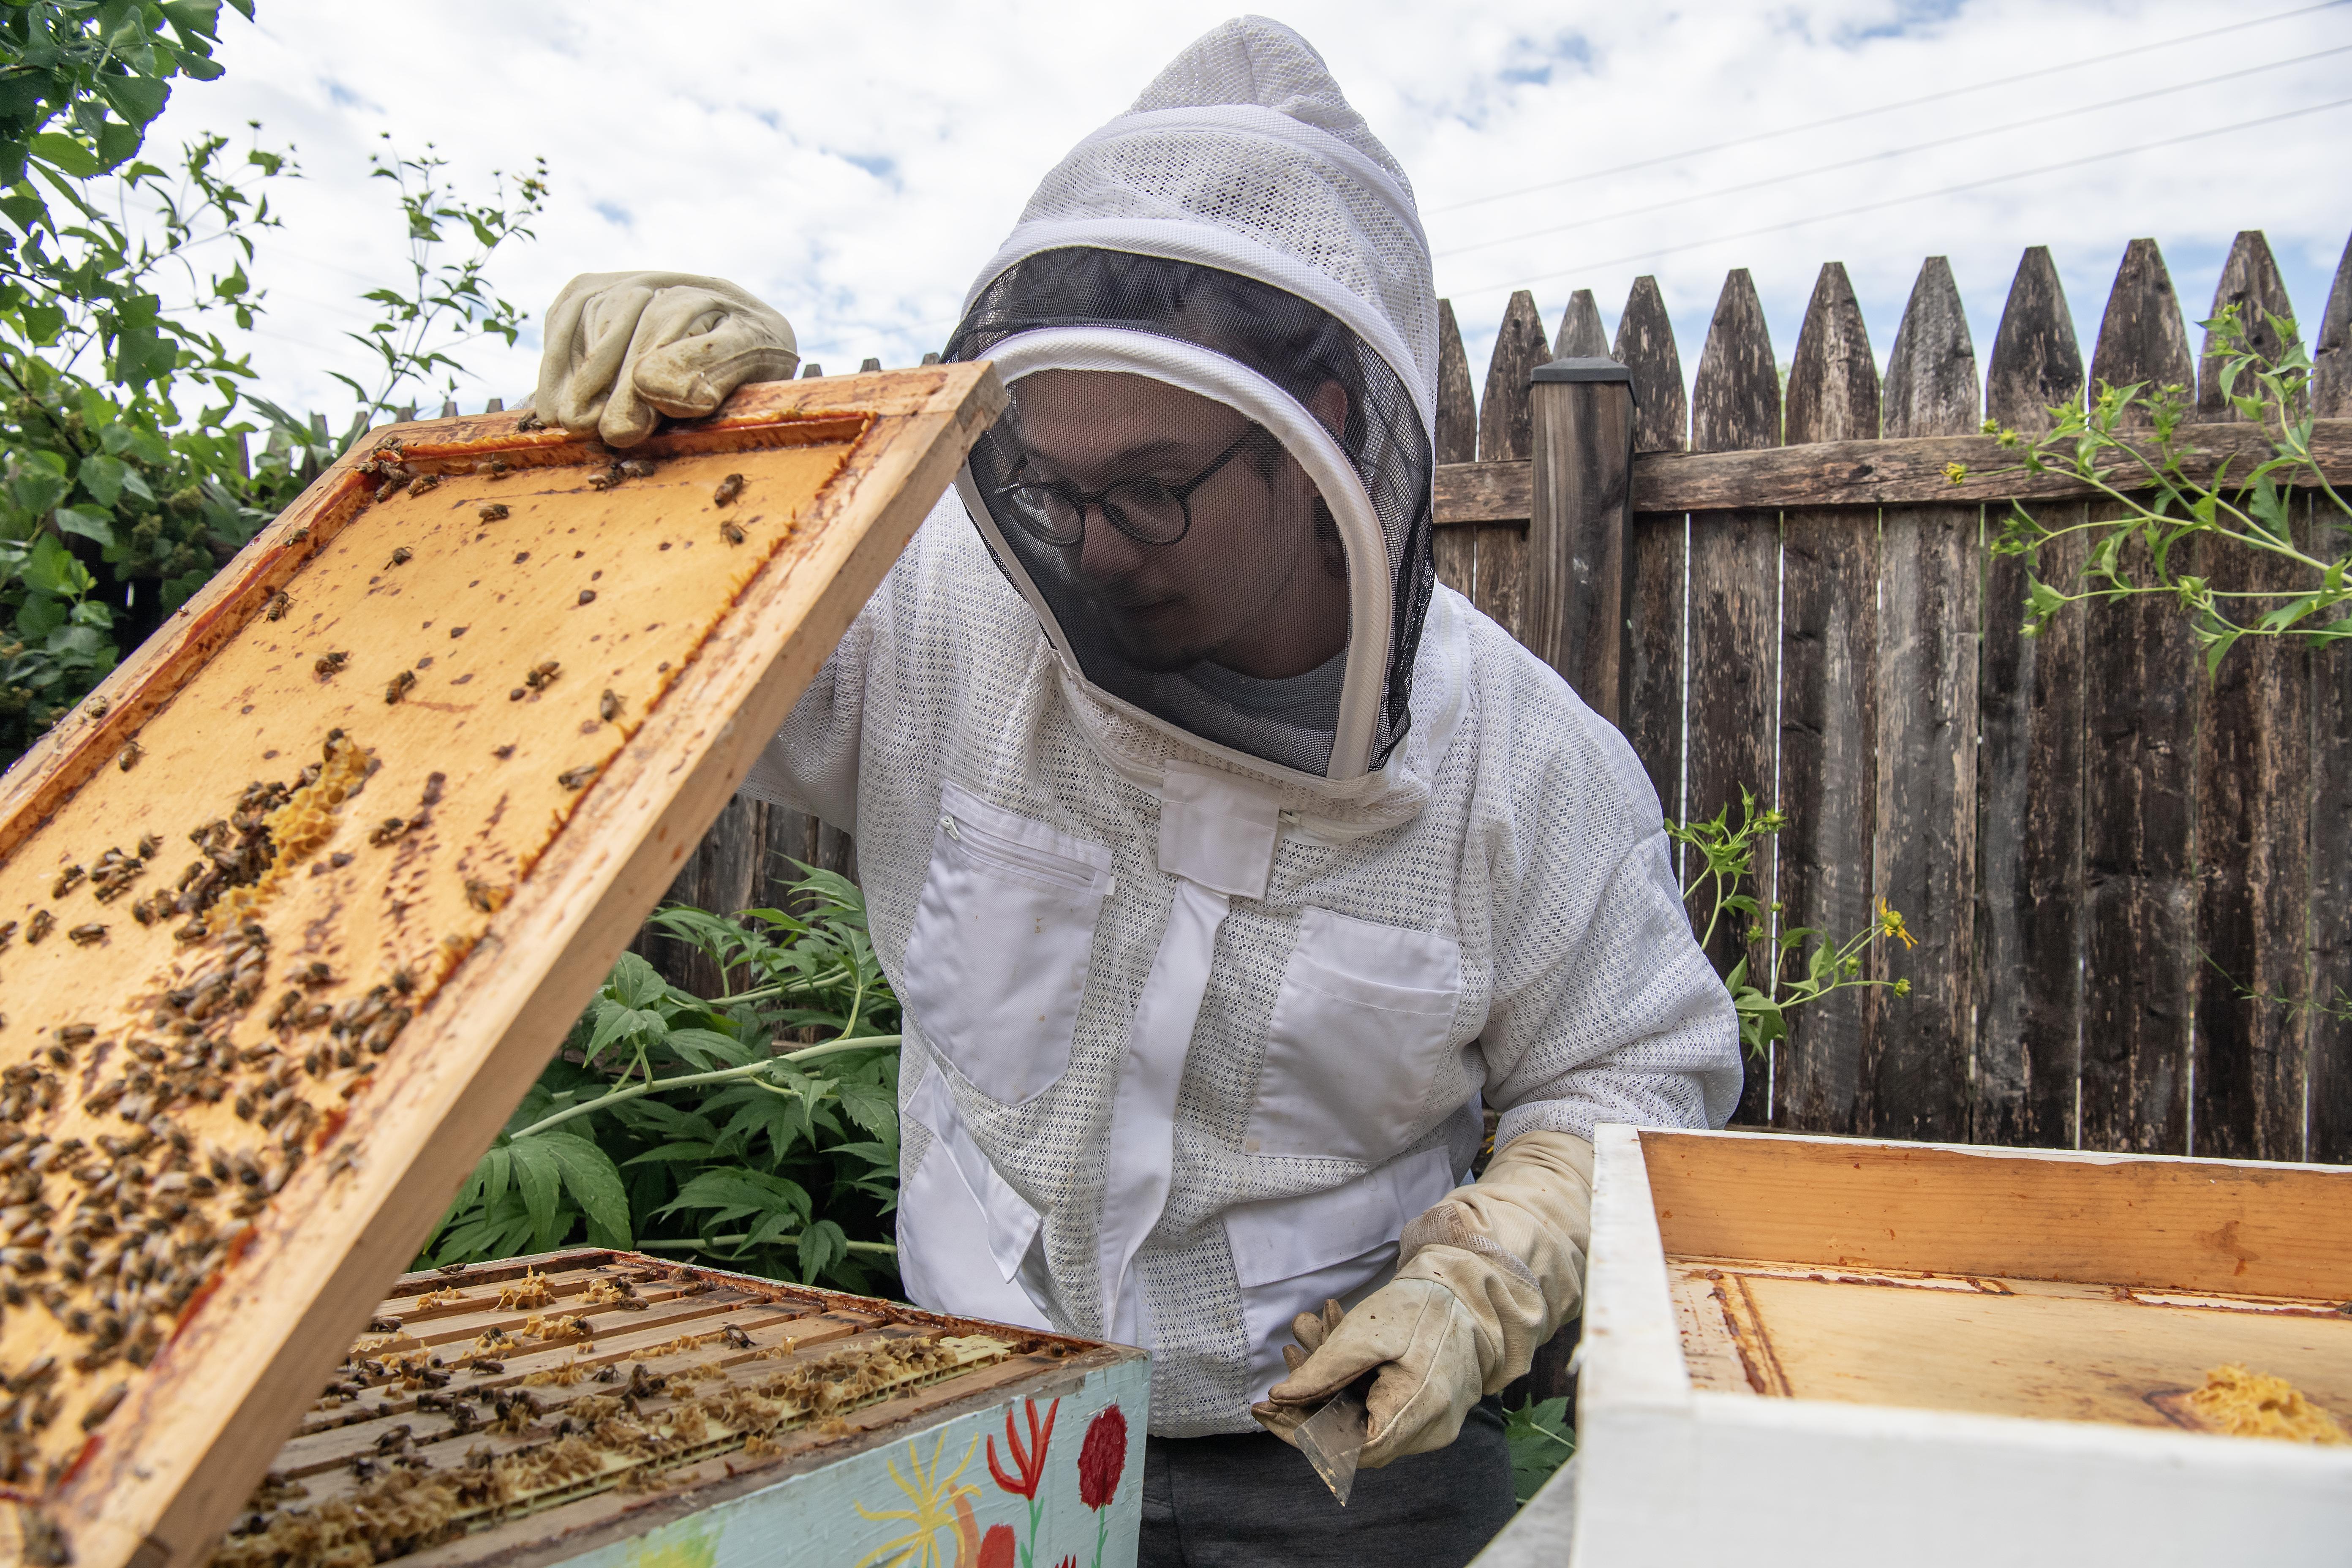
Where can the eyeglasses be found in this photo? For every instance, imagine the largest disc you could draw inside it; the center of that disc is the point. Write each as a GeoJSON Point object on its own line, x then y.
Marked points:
{"type": "Point", "coordinates": [1146, 510]}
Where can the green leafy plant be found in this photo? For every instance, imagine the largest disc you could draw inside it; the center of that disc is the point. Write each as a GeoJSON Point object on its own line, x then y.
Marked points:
{"type": "Point", "coordinates": [675, 1122]}
{"type": "Point", "coordinates": [1807, 964]}
{"type": "Point", "coordinates": [1541, 1441]}
{"type": "Point", "coordinates": [2129, 446]}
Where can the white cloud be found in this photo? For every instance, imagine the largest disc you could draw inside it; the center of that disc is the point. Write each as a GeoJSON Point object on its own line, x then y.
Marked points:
{"type": "Point", "coordinates": [856, 165]}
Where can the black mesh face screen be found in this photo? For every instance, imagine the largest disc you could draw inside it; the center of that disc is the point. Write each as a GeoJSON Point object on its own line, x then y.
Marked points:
{"type": "Point", "coordinates": [1108, 531]}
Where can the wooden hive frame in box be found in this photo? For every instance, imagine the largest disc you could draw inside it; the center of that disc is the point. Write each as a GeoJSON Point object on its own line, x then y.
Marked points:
{"type": "Point", "coordinates": [550, 1409]}
{"type": "Point", "coordinates": [430, 748]}
{"type": "Point", "coordinates": [1837, 1352]}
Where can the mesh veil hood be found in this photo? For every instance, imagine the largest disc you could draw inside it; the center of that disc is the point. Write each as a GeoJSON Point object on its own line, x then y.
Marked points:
{"type": "Point", "coordinates": [1240, 234]}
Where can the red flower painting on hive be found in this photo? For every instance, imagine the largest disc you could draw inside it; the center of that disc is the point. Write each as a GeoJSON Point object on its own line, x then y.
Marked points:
{"type": "Point", "coordinates": [1028, 1467]}
{"type": "Point", "coordinates": [1101, 1458]}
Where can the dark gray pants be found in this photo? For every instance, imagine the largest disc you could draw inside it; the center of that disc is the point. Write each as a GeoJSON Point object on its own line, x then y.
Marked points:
{"type": "Point", "coordinates": [1250, 1499]}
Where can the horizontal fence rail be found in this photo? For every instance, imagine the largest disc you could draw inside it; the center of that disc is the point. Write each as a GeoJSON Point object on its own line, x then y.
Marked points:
{"type": "Point", "coordinates": [2131, 885]}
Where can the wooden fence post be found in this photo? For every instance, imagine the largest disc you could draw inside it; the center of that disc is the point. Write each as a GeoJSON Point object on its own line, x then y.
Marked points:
{"type": "Point", "coordinates": [1827, 641]}
{"type": "Point", "coordinates": [2029, 803]}
{"type": "Point", "coordinates": [1581, 335]}
{"type": "Point", "coordinates": [1456, 545]}
{"type": "Point", "coordinates": [1579, 573]}
{"type": "Point", "coordinates": [1653, 714]}
{"type": "Point", "coordinates": [2331, 773]}
{"type": "Point", "coordinates": [1916, 1049]}
{"type": "Point", "coordinates": [2140, 902]}
{"type": "Point", "coordinates": [1733, 643]}
{"type": "Point", "coordinates": [2254, 782]}
{"type": "Point", "coordinates": [1498, 566]}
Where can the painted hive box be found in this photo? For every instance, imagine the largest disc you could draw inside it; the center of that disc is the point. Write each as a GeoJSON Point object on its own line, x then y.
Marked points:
{"type": "Point", "coordinates": [295, 907]}
{"type": "Point", "coordinates": [1818, 1346]}
{"type": "Point", "coordinates": [596, 1407]}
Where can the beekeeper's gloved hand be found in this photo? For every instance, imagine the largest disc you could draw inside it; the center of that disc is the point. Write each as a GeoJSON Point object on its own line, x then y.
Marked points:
{"type": "Point", "coordinates": [1484, 1278]}
{"type": "Point", "coordinates": [623, 347]}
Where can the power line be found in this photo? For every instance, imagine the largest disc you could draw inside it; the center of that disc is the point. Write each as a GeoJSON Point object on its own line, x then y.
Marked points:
{"type": "Point", "coordinates": [1747, 185]}
{"type": "Point", "coordinates": [1882, 109]}
{"type": "Point", "coordinates": [1918, 196]}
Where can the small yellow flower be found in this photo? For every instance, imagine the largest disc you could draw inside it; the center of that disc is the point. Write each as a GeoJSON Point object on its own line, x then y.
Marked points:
{"type": "Point", "coordinates": [1903, 988]}
{"type": "Point", "coordinates": [1890, 924]}
{"type": "Point", "coordinates": [1956, 472]}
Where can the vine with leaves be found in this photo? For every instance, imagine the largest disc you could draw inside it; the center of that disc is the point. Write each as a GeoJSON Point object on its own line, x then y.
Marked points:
{"type": "Point", "coordinates": [758, 1128]}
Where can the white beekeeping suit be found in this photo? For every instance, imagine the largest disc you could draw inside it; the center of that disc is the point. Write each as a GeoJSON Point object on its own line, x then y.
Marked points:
{"type": "Point", "coordinates": [1209, 960]}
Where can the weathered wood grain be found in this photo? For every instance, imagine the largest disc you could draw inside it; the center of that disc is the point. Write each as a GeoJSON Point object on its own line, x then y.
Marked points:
{"type": "Point", "coordinates": [1520, 345]}
{"type": "Point", "coordinates": [1734, 641]}
{"type": "Point", "coordinates": [1892, 472]}
{"type": "Point", "coordinates": [1654, 720]}
{"type": "Point", "coordinates": [1458, 406]}
{"type": "Point", "coordinates": [1918, 1049]}
{"type": "Point", "coordinates": [1457, 550]}
{"type": "Point", "coordinates": [1829, 711]}
{"type": "Point", "coordinates": [1645, 345]}
{"type": "Point", "coordinates": [2027, 969]}
{"type": "Point", "coordinates": [1580, 335]}
{"type": "Point", "coordinates": [1579, 567]}
{"type": "Point", "coordinates": [2329, 1128]}
{"type": "Point", "coordinates": [1501, 573]}
{"type": "Point", "coordinates": [2140, 896]}
{"type": "Point", "coordinates": [2331, 350]}
{"type": "Point", "coordinates": [2253, 783]}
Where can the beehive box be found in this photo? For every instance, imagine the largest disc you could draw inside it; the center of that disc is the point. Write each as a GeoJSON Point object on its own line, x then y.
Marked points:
{"type": "Point", "coordinates": [602, 1407]}
{"type": "Point", "coordinates": [1837, 1352]}
{"type": "Point", "coordinates": [294, 909]}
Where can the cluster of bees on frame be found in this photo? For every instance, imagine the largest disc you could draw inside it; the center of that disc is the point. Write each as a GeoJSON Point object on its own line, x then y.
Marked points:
{"type": "Point", "coordinates": [109, 1227]}
{"type": "Point", "coordinates": [412, 1488]}
{"type": "Point", "coordinates": [114, 1209]}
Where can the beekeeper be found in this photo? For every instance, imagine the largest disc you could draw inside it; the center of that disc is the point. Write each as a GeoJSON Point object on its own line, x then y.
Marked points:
{"type": "Point", "coordinates": [1226, 865]}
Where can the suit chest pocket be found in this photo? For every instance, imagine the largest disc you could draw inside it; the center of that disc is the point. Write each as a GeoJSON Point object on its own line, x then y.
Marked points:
{"type": "Point", "coordinates": [1361, 1028]}
{"type": "Point", "coordinates": [997, 957]}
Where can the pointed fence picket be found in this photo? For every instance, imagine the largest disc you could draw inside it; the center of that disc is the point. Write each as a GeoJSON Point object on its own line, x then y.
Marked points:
{"type": "Point", "coordinates": [2131, 886]}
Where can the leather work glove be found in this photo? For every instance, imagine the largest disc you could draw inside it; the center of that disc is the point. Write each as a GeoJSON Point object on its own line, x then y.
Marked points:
{"type": "Point", "coordinates": [625, 347]}
{"type": "Point", "coordinates": [1483, 1277]}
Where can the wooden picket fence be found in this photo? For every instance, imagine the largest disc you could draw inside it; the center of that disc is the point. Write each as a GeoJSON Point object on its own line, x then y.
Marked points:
{"type": "Point", "coordinates": [2100, 852]}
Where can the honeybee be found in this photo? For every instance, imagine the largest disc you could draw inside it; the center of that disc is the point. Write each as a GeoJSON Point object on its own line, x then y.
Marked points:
{"type": "Point", "coordinates": [542, 674]}
{"type": "Point", "coordinates": [7, 933]}
{"type": "Point", "coordinates": [730, 532]}
{"type": "Point", "coordinates": [529, 422]}
{"type": "Point", "coordinates": [391, 488]}
{"type": "Point", "coordinates": [634, 468]}
{"type": "Point", "coordinates": [434, 784]}
{"type": "Point", "coordinates": [576, 777]}
{"type": "Point", "coordinates": [331, 663]}
{"type": "Point", "coordinates": [400, 556]}
{"type": "Point", "coordinates": [484, 896]}
{"type": "Point", "coordinates": [384, 832]}
{"type": "Point", "coordinates": [729, 488]}
{"type": "Point", "coordinates": [423, 482]}
{"type": "Point", "coordinates": [65, 881]}
{"type": "Point", "coordinates": [501, 752]}
{"type": "Point", "coordinates": [492, 467]}
{"type": "Point", "coordinates": [491, 511]}
{"type": "Point", "coordinates": [608, 707]}
{"type": "Point", "coordinates": [399, 685]}
{"type": "Point", "coordinates": [41, 925]}
{"type": "Point", "coordinates": [86, 934]}
{"type": "Point", "coordinates": [280, 603]}
{"type": "Point", "coordinates": [149, 847]}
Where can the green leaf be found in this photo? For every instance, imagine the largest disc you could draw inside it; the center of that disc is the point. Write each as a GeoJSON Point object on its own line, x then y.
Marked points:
{"type": "Point", "coordinates": [594, 1184]}
{"type": "Point", "coordinates": [1539, 1441]}
{"type": "Point", "coordinates": [34, 487]}
{"type": "Point", "coordinates": [103, 478]}
{"type": "Point", "coordinates": [540, 1175]}
{"type": "Point", "coordinates": [822, 1245]}
{"type": "Point", "coordinates": [64, 154]}
{"type": "Point", "coordinates": [53, 571]}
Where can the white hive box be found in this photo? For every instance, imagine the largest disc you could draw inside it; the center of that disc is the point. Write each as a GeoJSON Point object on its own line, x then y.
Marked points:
{"type": "Point", "coordinates": [1830, 1351]}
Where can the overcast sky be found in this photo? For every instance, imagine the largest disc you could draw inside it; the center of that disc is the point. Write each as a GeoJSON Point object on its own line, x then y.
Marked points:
{"type": "Point", "coordinates": [854, 165]}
